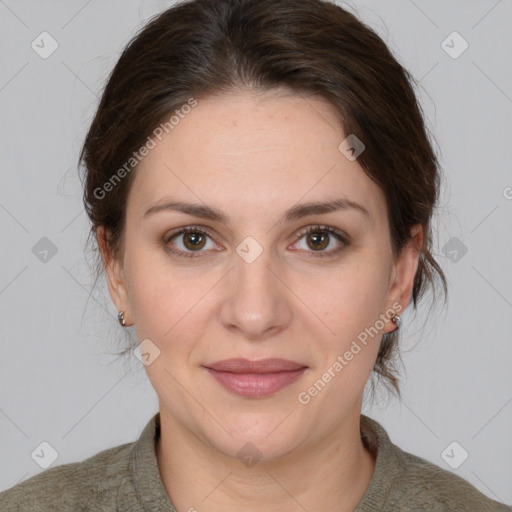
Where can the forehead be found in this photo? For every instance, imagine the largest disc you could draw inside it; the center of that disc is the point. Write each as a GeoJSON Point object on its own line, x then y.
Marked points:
{"type": "Point", "coordinates": [254, 152]}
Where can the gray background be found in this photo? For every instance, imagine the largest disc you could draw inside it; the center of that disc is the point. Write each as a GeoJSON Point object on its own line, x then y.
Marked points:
{"type": "Point", "coordinates": [60, 382]}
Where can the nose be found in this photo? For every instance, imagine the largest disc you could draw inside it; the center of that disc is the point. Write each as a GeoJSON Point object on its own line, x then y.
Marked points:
{"type": "Point", "coordinates": [257, 300]}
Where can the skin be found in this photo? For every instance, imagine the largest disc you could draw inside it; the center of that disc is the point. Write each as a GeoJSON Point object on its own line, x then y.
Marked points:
{"type": "Point", "coordinates": [253, 156]}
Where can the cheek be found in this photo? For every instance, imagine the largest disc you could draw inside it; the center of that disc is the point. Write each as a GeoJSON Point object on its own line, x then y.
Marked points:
{"type": "Point", "coordinates": [154, 293]}
{"type": "Point", "coordinates": [350, 298]}
{"type": "Point", "coordinates": [165, 301]}
{"type": "Point", "coordinates": [350, 306]}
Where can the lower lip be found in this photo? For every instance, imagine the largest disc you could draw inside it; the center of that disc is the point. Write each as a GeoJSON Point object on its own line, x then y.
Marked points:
{"type": "Point", "coordinates": [255, 385]}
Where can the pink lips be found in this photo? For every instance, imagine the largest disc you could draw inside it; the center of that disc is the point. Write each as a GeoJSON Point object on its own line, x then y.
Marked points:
{"type": "Point", "coordinates": [255, 379]}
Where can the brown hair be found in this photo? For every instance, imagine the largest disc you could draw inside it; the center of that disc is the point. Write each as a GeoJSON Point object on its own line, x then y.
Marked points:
{"type": "Point", "coordinates": [199, 48]}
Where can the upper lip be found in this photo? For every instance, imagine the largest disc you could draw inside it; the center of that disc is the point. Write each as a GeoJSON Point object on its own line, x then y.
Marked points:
{"type": "Point", "coordinates": [240, 365]}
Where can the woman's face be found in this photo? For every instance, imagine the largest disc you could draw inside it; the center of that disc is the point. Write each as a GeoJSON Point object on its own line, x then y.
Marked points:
{"type": "Point", "coordinates": [256, 284]}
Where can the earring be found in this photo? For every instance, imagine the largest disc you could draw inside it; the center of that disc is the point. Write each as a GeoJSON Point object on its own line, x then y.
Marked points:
{"type": "Point", "coordinates": [120, 317]}
{"type": "Point", "coordinates": [397, 320]}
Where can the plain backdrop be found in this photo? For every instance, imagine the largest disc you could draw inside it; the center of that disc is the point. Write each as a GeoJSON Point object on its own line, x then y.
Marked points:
{"type": "Point", "coordinates": [60, 383]}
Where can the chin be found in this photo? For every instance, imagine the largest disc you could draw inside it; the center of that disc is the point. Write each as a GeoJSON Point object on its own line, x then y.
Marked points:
{"type": "Point", "coordinates": [265, 434]}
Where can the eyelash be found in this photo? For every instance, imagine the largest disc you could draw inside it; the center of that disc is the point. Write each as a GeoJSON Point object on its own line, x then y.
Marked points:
{"type": "Point", "coordinates": [312, 229]}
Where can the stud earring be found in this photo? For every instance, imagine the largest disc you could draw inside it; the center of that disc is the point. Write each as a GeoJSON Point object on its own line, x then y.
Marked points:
{"type": "Point", "coordinates": [397, 320]}
{"type": "Point", "coordinates": [120, 317]}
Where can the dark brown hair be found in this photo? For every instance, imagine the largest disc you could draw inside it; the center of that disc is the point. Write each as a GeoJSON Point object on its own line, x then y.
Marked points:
{"type": "Point", "coordinates": [201, 48]}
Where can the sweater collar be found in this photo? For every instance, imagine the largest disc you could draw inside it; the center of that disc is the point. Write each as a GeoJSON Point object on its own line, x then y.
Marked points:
{"type": "Point", "coordinates": [389, 466]}
{"type": "Point", "coordinates": [152, 495]}
{"type": "Point", "coordinates": [150, 489]}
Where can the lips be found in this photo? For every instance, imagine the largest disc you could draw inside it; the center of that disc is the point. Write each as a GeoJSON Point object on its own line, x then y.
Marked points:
{"type": "Point", "coordinates": [255, 379]}
{"type": "Point", "coordinates": [262, 366]}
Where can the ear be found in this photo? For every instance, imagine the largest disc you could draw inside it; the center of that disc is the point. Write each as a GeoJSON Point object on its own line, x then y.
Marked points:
{"type": "Point", "coordinates": [404, 271]}
{"type": "Point", "coordinates": [115, 277]}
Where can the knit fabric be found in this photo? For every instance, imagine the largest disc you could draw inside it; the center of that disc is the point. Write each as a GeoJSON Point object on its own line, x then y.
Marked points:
{"type": "Point", "coordinates": [126, 478]}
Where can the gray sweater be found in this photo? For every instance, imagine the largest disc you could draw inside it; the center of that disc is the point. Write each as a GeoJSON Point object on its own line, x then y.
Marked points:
{"type": "Point", "coordinates": [126, 478]}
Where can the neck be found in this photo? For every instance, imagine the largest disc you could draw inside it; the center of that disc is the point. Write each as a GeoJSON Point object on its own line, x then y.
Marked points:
{"type": "Point", "coordinates": [333, 474]}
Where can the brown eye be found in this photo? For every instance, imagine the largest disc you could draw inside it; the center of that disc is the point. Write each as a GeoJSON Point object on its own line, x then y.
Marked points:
{"type": "Point", "coordinates": [188, 242]}
{"type": "Point", "coordinates": [318, 238]}
{"type": "Point", "coordinates": [194, 240]}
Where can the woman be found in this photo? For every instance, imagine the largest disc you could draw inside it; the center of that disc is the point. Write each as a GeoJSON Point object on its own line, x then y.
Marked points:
{"type": "Point", "coordinates": [260, 185]}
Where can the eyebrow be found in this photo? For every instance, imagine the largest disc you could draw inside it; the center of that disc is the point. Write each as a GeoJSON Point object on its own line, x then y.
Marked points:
{"type": "Point", "coordinates": [296, 212]}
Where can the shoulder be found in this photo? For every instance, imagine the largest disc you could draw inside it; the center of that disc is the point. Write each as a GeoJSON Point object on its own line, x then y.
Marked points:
{"type": "Point", "coordinates": [404, 481]}
{"type": "Point", "coordinates": [424, 484]}
{"type": "Point", "coordinates": [75, 486]}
